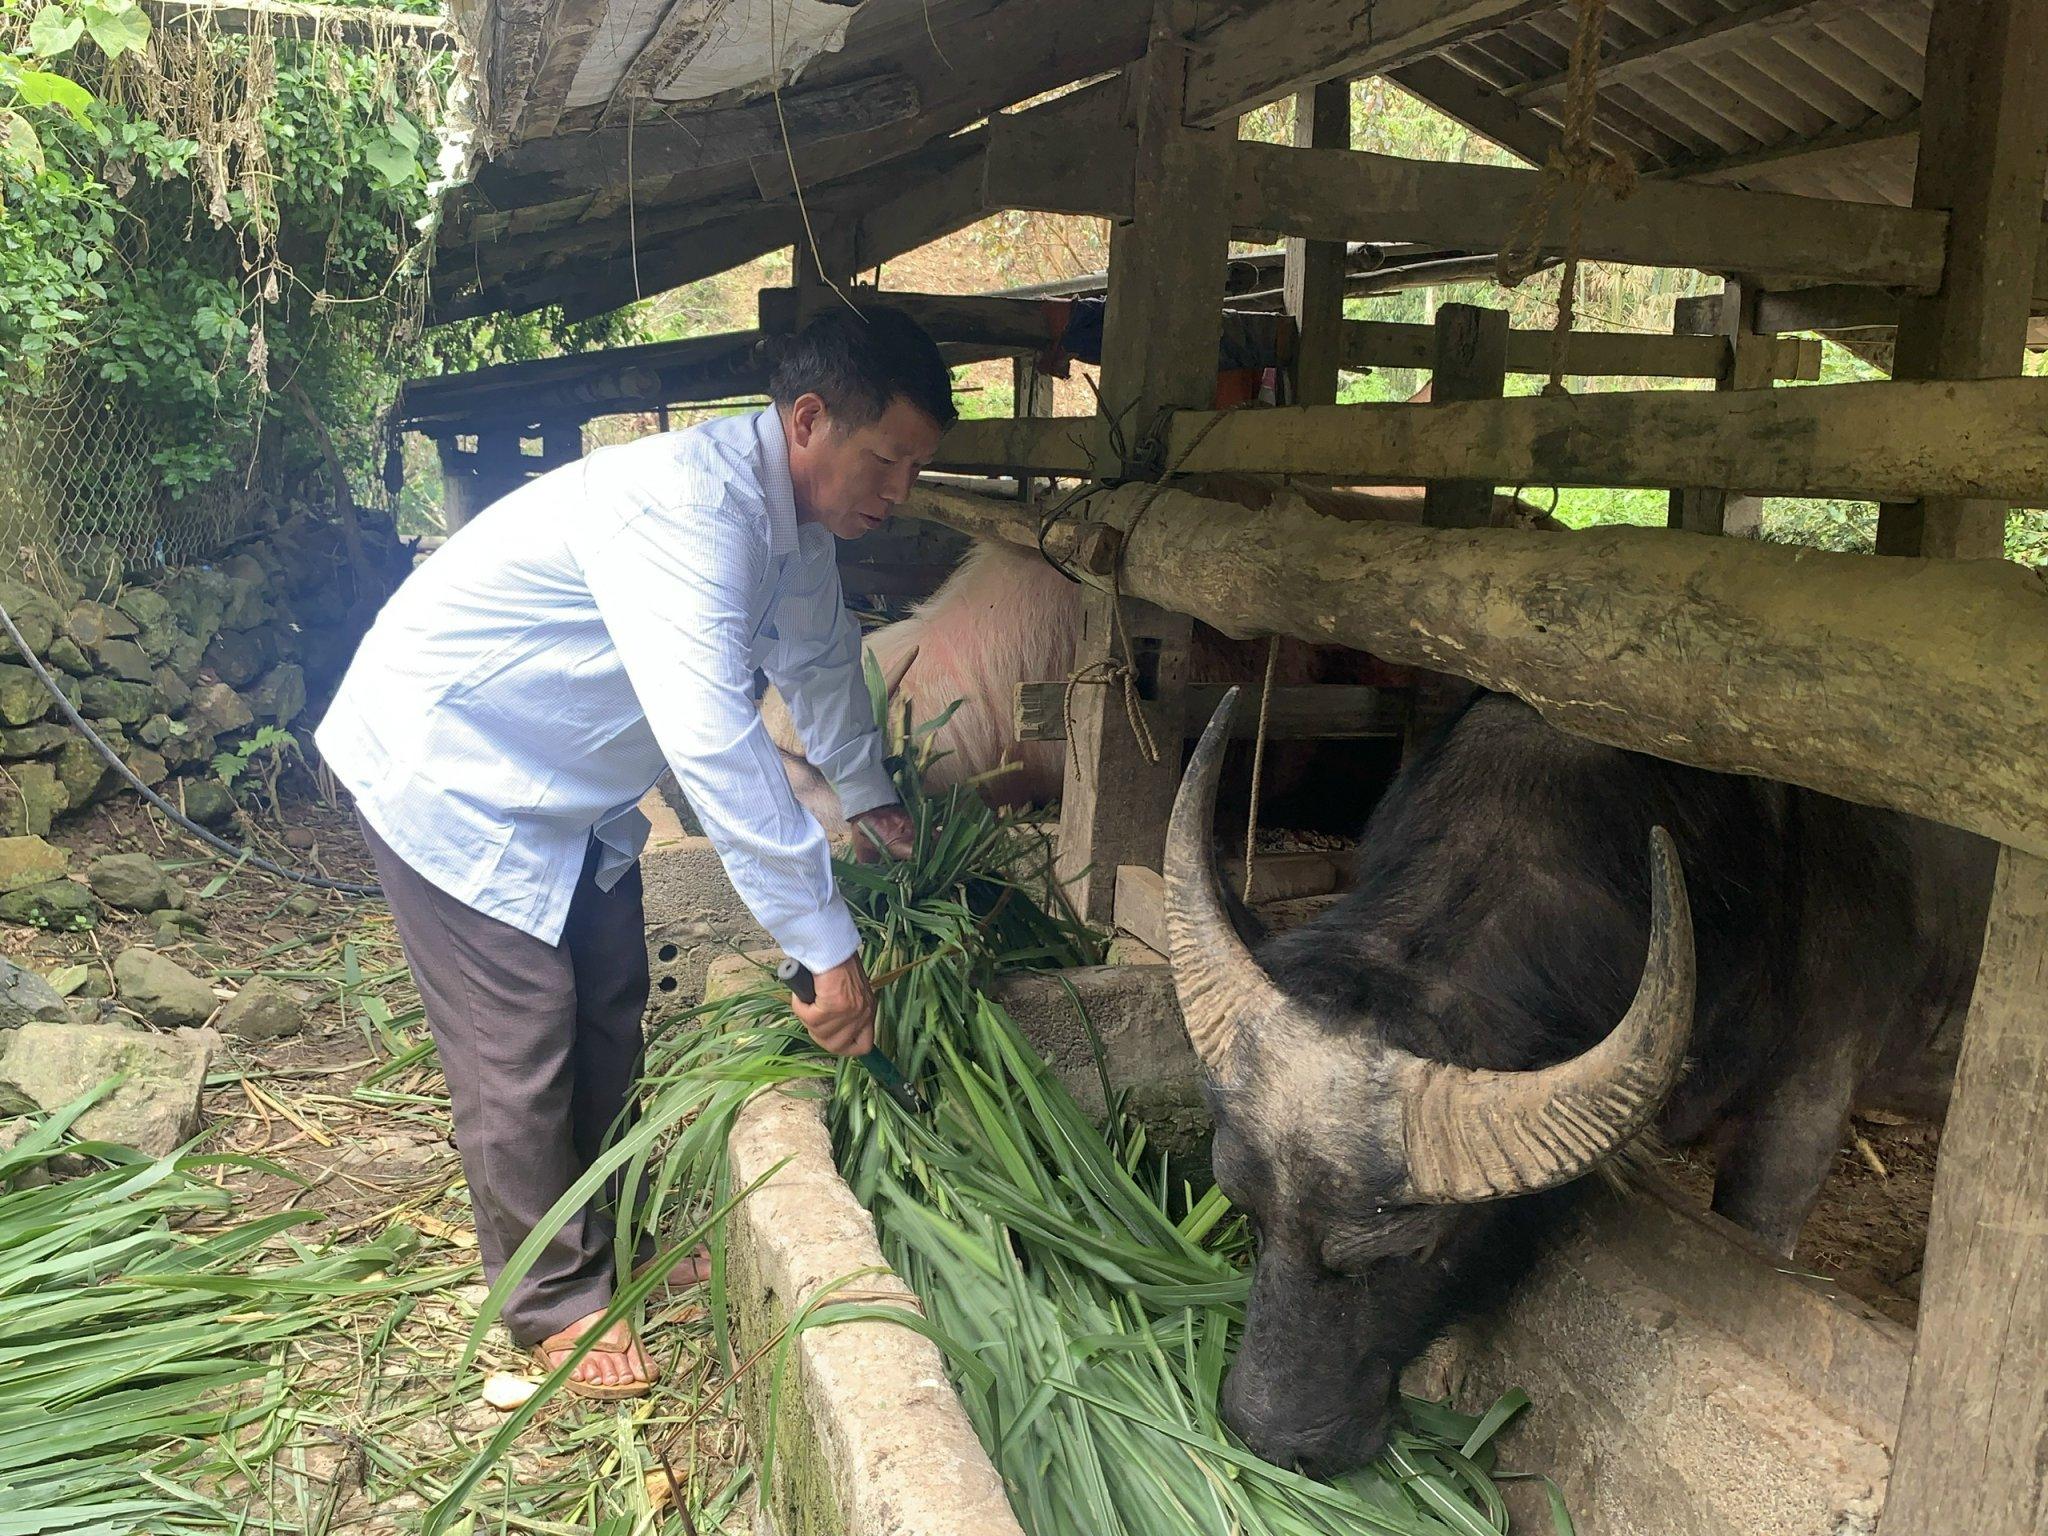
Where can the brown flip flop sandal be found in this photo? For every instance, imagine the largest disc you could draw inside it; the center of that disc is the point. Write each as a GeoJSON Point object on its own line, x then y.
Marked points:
{"type": "Point", "coordinates": [547, 1355]}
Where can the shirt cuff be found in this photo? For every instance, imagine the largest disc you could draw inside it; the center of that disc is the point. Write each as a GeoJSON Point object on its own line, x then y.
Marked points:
{"type": "Point", "coordinates": [865, 788]}
{"type": "Point", "coordinates": [821, 940]}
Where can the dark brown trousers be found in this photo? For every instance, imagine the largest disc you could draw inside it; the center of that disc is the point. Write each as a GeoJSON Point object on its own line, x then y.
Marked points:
{"type": "Point", "coordinates": [540, 1045]}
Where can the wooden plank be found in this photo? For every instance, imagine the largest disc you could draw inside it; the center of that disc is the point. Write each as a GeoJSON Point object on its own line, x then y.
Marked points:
{"type": "Point", "coordinates": [1343, 194]}
{"type": "Point", "coordinates": [680, 140]}
{"type": "Point", "coordinates": [1829, 307]}
{"type": "Point", "coordinates": [1976, 1409]}
{"type": "Point", "coordinates": [1055, 445]}
{"type": "Point", "coordinates": [567, 29]}
{"type": "Point", "coordinates": [1072, 155]}
{"type": "Point", "coordinates": [1983, 154]}
{"type": "Point", "coordinates": [1259, 55]}
{"type": "Point", "coordinates": [358, 26]}
{"type": "Point", "coordinates": [1486, 111]}
{"type": "Point", "coordinates": [1159, 347]}
{"type": "Point", "coordinates": [1140, 908]}
{"type": "Point", "coordinates": [1587, 354]}
{"type": "Point", "coordinates": [1647, 60]}
{"type": "Point", "coordinates": [1471, 363]}
{"type": "Point", "coordinates": [1312, 272]}
{"type": "Point", "coordinates": [1916, 684]}
{"type": "Point", "coordinates": [1730, 315]}
{"type": "Point", "coordinates": [1984, 438]}
{"type": "Point", "coordinates": [1311, 712]}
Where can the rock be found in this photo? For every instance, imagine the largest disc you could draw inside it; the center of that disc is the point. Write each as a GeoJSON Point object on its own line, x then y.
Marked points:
{"type": "Point", "coordinates": [61, 904]}
{"type": "Point", "coordinates": [125, 659]}
{"type": "Point", "coordinates": [281, 694]}
{"type": "Point", "coordinates": [157, 730]}
{"type": "Point", "coordinates": [131, 881]}
{"type": "Point", "coordinates": [33, 740]}
{"type": "Point", "coordinates": [91, 623]}
{"type": "Point", "coordinates": [31, 797]}
{"type": "Point", "coordinates": [158, 641]}
{"type": "Point", "coordinates": [65, 654]}
{"type": "Point", "coordinates": [239, 657]}
{"type": "Point", "coordinates": [246, 606]}
{"type": "Point", "coordinates": [156, 1110]}
{"type": "Point", "coordinates": [30, 1176]}
{"type": "Point", "coordinates": [147, 766]}
{"type": "Point", "coordinates": [175, 692]}
{"type": "Point", "coordinates": [26, 997]}
{"type": "Point", "coordinates": [187, 747]}
{"type": "Point", "coordinates": [26, 861]}
{"type": "Point", "coordinates": [187, 651]}
{"type": "Point", "coordinates": [23, 698]}
{"type": "Point", "coordinates": [178, 921]}
{"type": "Point", "coordinates": [262, 1010]}
{"type": "Point", "coordinates": [97, 983]}
{"type": "Point", "coordinates": [35, 615]}
{"type": "Point", "coordinates": [161, 990]}
{"type": "Point", "coordinates": [245, 567]}
{"type": "Point", "coordinates": [82, 772]}
{"type": "Point", "coordinates": [218, 709]}
{"type": "Point", "coordinates": [208, 802]}
{"type": "Point", "coordinates": [197, 600]}
{"type": "Point", "coordinates": [107, 699]}
{"type": "Point", "coordinates": [145, 606]}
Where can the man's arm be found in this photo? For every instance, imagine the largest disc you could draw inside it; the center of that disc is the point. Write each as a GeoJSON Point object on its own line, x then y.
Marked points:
{"type": "Point", "coordinates": [814, 661]}
{"type": "Point", "coordinates": [672, 587]}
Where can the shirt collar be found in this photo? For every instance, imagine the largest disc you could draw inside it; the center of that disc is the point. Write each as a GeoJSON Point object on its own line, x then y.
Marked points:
{"type": "Point", "coordinates": [775, 483]}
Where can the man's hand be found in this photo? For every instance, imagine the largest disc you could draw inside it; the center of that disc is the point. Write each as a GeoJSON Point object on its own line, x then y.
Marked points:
{"type": "Point", "coordinates": [842, 1020]}
{"type": "Point", "coordinates": [886, 827]}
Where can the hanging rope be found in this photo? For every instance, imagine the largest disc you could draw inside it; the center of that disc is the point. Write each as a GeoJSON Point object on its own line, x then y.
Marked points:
{"type": "Point", "coordinates": [1251, 821]}
{"type": "Point", "coordinates": [1576, 162]}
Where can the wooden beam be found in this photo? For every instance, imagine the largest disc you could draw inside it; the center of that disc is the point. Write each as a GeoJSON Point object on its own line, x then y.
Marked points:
{"type": "Point", "coordinates": [1159, 345]}
{"type": "Point", "coordinates": [568, 28]}
{"type": "Point", "coordinates": [1986, 438]}
{"type": "Point", "coordinates": [583, 385]}
{"type": "Point", "coordinates": [1730, 315]}
{"type": "Point", "coordinates": [1486, 111]}
{"type": "Point", "coordinates": [1830, 307]}
{"type": "Point", "coordinates": [680, 140]}
{"type": "Point", "coordinates": [1338, 194]}
{"type": "Point", "coordinates": [1141, 892]}
{"type": "Point", "coordinates": [1849, 144]}
{"type": "Point", "coordinates": [1983, 154]}
{"type": "Point", "coordinates": [1587, 354]}
{"type": "Point", "coordinates": [1721, 34]}
{"type": "Point", "coordinates": [358, 26]}
{"type": "Point", "coordinates": [1977, 1401]}
{"type": "Point", "coordinates": [1071, 155]}
{"type": "Point", "coordinates": [1312, 273]}
{"type": "Point", "coordinates": [1311, 712]}
{"type": "Point", "coordinates": [1256, 56]}
{"type": "Point", "coordinates": [1055, 445]}
{"type": "Point", "coordinates": [1916, 684]}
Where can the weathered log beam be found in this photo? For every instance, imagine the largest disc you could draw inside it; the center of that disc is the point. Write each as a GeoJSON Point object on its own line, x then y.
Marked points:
{"type": "Point", "coordinates": [1340, 194]}
{"type": "Point", "coordinates": [1985, 438]}
{"type": "Point", "coordinates": [359, 26]}
{"type": "Point", "coordinates": [1916, 684]}
{"type": "Point", "coordinates": [1308, 712]}
{"type": "Point", "coordinates": [1587, 354]}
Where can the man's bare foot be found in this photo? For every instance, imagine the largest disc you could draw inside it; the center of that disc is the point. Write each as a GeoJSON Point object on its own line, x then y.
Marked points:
{"type": "Point", "coordinates": [615, 1367]}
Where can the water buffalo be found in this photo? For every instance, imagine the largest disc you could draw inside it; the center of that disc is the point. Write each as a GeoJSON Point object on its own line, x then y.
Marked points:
{"type": "Point", "coordinates": [1405, 1089]}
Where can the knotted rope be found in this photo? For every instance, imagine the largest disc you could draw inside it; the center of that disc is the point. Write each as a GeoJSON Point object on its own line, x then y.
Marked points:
{"type": "Point", "coordinates": [1576, 161]}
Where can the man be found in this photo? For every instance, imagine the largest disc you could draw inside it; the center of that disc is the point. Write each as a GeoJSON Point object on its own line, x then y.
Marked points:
{"type": "Point", "coordinates": [526, 686]}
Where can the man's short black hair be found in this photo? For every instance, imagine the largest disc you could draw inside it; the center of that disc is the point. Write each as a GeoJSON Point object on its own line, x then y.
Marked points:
{"type": "Point", "coordinates": [857, 362]}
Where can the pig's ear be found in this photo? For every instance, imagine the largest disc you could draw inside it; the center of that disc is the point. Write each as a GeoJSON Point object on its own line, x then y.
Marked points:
{"type": "Point", "coordinates": [894, 679]}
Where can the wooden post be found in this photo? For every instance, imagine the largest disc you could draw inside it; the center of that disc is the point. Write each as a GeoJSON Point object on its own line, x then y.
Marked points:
{"type": "Point", "coordinates": [1976, 1416]}
{"type": "Point", "coordinates": [1030, 395]}
{"type": "Point", "coordinates": [459, 499]}
{"type": "Point", "coordinates": [1158, 353]}
{"type": "Point", "coordinates": [1730, 314]}
{"type": "Point", "coordinates": [1312, 276]}
{"type": "Point", "coordinates": [1983, 153]}
{"type": "Point", "coordinates": [1471, 363]}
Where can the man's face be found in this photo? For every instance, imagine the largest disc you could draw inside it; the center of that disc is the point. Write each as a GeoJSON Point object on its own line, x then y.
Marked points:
{"type": "Point", "coordinates": [851, 479]}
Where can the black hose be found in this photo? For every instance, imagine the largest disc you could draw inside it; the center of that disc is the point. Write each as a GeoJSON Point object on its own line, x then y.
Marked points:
{"type": "Point", "coordinates": [242, 855]}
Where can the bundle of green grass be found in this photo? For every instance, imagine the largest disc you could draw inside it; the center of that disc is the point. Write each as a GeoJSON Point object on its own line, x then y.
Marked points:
{"type": "Point", "coordinates": [1087, 1306]}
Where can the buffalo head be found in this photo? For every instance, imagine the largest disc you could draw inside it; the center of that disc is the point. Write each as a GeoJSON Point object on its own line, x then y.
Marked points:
{"type": "Point", "coordinates": [1371, 1173]}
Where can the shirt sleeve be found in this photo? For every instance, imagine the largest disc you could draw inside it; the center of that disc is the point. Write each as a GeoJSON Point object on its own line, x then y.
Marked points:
{"type": "Point", "coordinates": [672, 587]}
{"type": "Point", "coordinates": [814, 660]}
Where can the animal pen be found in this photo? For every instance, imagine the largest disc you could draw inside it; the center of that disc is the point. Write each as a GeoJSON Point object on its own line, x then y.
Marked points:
{"type": "Point", "coordinates": [1868, 170]}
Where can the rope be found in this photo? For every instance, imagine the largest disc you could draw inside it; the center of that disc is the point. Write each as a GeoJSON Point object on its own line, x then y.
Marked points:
{"type": "Point", "coordinates": [1575, 161]}
{"type": "Point", "coordinates": [1251, 821]}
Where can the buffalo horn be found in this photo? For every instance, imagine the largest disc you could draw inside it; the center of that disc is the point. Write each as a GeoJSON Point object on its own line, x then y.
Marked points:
{"type": "Point", "coordinates": [1218, 981]}
{"type": "Point", "coordinates": [1479, 1135]}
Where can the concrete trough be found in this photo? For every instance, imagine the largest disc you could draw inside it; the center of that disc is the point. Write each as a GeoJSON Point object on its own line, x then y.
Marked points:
{"type": "Point", "coordinates": [1686, 1382]}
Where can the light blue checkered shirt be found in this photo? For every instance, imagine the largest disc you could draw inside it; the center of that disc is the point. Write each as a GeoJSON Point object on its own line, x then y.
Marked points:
{"type": "Point", "coordinates": [524, 686]}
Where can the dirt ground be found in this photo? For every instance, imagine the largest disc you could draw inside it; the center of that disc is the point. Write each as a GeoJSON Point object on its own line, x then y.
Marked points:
{"type": "Point", "coordinates": [351, 1117]}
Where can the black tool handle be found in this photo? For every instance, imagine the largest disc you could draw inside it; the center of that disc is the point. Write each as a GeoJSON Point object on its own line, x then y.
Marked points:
{"type": "Point", "coordinates": [796, 976]}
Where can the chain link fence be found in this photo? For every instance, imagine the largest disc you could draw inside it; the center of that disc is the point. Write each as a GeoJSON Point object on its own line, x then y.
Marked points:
{"type": "Point", "coordinates": [82, 482]}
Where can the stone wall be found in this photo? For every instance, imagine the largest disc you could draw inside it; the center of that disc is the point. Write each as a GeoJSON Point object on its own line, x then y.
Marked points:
{"type": "Point", "coordinates": [173, 670]}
